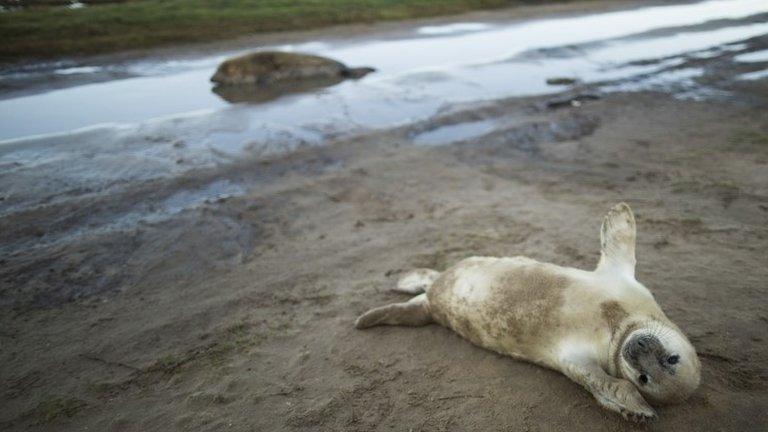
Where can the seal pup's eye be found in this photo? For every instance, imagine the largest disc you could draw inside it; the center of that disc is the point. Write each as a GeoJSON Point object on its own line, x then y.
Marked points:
{"type": "Point", "coordinates": [643, 379]}
{"type": "Point", "coordinates": [673, 359]}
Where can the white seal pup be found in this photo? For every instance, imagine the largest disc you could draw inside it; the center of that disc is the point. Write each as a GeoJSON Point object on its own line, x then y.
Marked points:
{"type": "Point", "coordinates": [602, 329]}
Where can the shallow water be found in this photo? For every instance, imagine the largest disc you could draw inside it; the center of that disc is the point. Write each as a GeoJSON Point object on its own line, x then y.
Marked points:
{"type": "Point", "coordinates": [756, 56]}
{"type": "Point", "coordinates": [453, 28]}
{"type": "Point", "coordinates": [750, 76]}
{"type": "Point", "coordinates": [118, 101]}
{"type": "Point", "coordinates": [77, 70]}
{"type": "Point", "coordinates": [432, 67]}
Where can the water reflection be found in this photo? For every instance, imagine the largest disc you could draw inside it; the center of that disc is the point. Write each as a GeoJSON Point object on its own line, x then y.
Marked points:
{"type": "Point", "coordinates": [256, 94]}
{"type": "Point", "coordinates": [417, 75]}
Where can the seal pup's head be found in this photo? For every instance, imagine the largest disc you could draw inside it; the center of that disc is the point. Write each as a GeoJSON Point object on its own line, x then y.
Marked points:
{"type": "Point", "coordinates": [651, 352]}
{"type": "Point", "coordinates": [661, 363]}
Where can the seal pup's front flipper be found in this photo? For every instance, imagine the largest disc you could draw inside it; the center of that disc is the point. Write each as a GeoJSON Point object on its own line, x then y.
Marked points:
{"type": "Point", "coordinates": [413, 313]}
{"type": "Point", "coordinates": [618, 395]}
{"type": "Point", "coordinates": [617, 241]}
{"type": "Point", "coordinates": [416, 281]}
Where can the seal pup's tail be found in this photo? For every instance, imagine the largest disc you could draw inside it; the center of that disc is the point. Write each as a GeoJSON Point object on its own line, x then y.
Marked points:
{"type": "Point", "coordinates": [416, 281]}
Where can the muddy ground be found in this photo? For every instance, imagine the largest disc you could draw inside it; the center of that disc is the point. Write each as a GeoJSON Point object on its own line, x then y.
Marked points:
{"type": "Point", "coordinates": [239, 314]}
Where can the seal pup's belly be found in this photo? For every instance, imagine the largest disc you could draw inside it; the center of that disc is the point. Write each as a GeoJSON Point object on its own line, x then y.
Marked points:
{"type": "Point", "coordinates": [508, 305]}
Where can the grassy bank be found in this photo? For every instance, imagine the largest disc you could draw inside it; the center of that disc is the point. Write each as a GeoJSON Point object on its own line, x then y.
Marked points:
{"type": "Point", "coordinates": [46, 29]}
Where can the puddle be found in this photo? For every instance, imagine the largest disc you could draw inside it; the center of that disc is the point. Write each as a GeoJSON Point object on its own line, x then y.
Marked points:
{"type": "Point", "coordinates": [452, 28]}
{"type": "Point", "coordinates": [753, 57]}
{"type": "Point", "coordinates": [714, 52]}
{"type": "Point", "coordinates": [377, 101]}
{"type": "Point", "coordinates": [119, 101]}
{"type": "Point", "coordinates": [465, 51]}
{"type": "Point", "coordinates": [680, 82]}
{"type": "Point", "coordinates": [454, 133]}
{"type": "Point", "coordinates": [751, 76]}
{"type": "Point", "coordinates": [77, 70]}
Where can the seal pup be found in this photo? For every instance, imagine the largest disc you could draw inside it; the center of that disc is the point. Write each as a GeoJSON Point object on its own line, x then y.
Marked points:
{"type": "Point", "coordinates": [602, 329]}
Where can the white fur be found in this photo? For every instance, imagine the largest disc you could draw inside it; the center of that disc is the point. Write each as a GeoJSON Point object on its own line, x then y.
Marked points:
{"type": "Point", "coordinates": [416, 281]}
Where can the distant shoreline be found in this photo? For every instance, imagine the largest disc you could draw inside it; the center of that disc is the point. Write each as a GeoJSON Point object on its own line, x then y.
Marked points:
{"type": "Point", "coordinates": [51, 33]}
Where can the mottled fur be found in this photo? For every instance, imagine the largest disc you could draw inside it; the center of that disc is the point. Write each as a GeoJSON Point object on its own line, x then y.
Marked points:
{"type": "Point", "coordinates": [272, 67]}
{"type": "Point", "coordinates": [602, 329]}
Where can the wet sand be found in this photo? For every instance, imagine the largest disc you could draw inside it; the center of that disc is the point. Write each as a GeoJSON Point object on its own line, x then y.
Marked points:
{"type": "Point", "coordinates": [238, 313]}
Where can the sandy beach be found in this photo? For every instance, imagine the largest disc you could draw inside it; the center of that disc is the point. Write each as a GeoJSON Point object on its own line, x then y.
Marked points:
{"type": "Point", "coordinates": [140, 306]}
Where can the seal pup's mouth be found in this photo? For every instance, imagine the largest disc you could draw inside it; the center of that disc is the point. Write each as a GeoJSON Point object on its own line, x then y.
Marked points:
{"type": "Point", "coordinates": [660, 365]}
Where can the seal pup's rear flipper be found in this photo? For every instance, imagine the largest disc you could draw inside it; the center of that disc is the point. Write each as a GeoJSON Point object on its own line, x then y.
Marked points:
{"type": "Point", "coordinates": [416, 281]}
{"type": "Point", "coordinates": [617, 241]}
{"type": "Point", "coordinates": [414, 313]}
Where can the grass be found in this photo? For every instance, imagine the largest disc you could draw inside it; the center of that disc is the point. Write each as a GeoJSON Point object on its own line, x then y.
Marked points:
{"type": "Point", "coordinates": [45, 29]}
